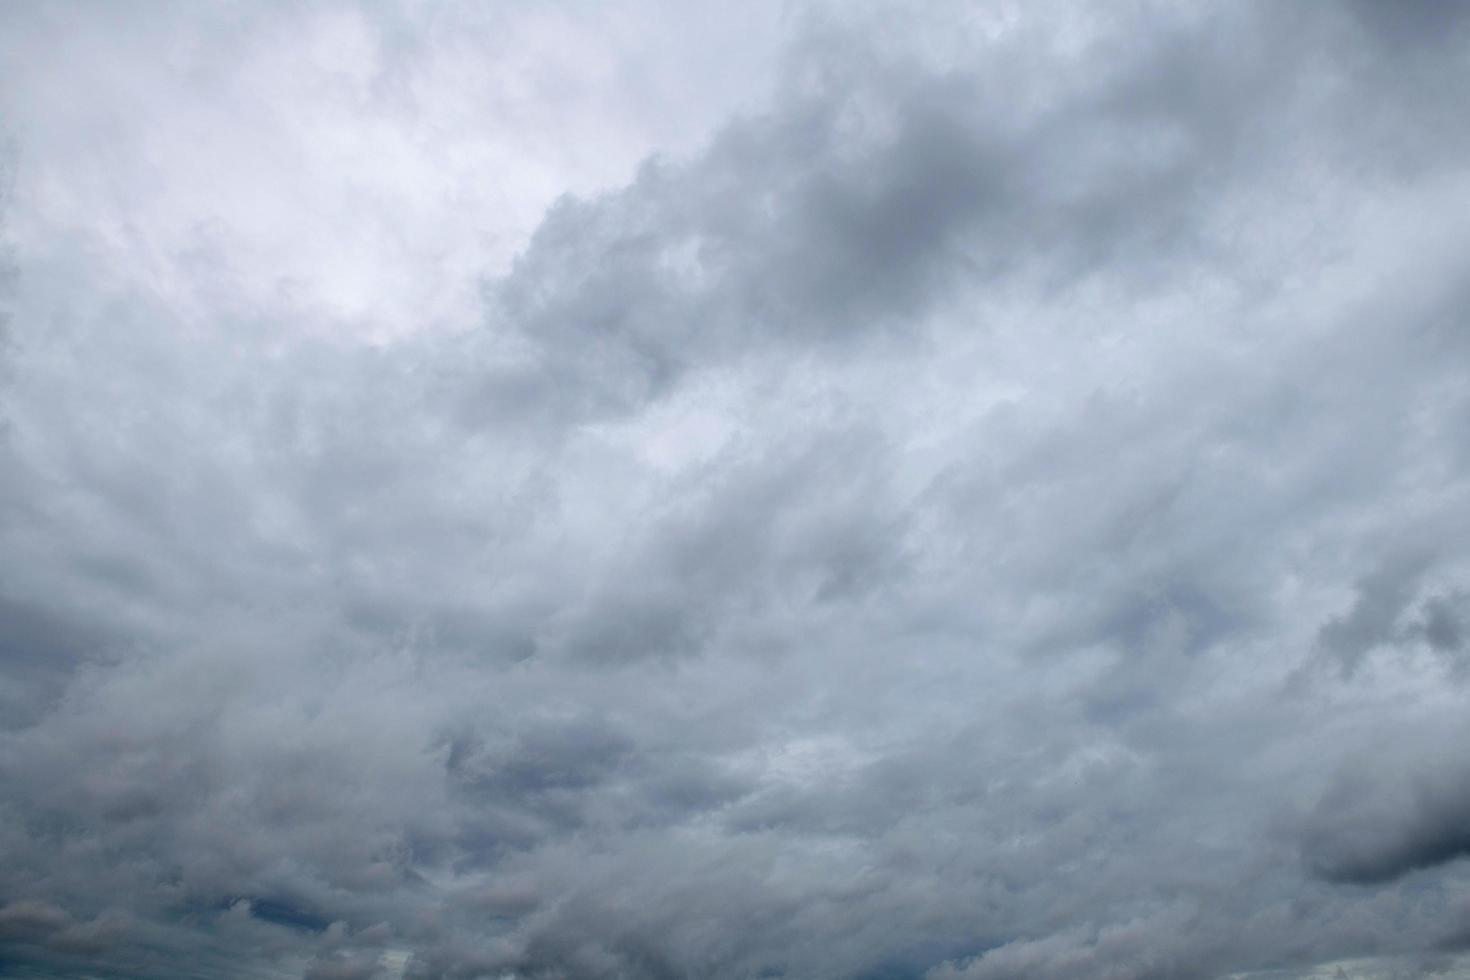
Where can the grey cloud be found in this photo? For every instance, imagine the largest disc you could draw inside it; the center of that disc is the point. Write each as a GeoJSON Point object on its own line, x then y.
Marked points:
{"type": "Point", "coordinates": [1372, 826]}
{"type": "Point", "coordinates": [901, 538]}
{"type": "Point", "coordinates": [872, 196]}
{"type": "Point", "coordinates": [1431, 22]}
{"type": "Point", "coordinates": [1382, 598]}
{"type": "Point", "coordinates": [1444, 623]}
{"type": "Point", "coordinates": [1399, 606]}
{"type": "Point", "coordinates": [345, 968]}
{"type": "Point", "coordinates": [39, 925]}
{"type": "Point", "coordinates": [38, 653]}
{"type": "Point", "coordinates": [32, 919]}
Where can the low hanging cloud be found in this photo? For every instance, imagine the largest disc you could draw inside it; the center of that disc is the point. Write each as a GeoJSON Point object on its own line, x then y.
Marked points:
{"type": "Point", "coordinates": [984, 497]}
{"type": "Point", "coordinates": [1391, 813]}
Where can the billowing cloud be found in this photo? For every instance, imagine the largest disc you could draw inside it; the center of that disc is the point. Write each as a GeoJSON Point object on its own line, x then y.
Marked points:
{"type": "Point", "coordinates": [893, 491]}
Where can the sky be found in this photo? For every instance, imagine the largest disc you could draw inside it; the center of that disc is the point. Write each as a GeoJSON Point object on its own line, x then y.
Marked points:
{"type": "Point", "coordinates": [771, 491]}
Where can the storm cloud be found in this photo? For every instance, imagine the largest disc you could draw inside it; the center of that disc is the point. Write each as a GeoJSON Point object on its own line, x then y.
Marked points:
{"type": "Point", "coordinates": [849, 491]}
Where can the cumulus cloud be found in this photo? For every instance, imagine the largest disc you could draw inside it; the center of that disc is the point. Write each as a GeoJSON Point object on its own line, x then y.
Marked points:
{"type": "Point", "coordinates": [893, 491]}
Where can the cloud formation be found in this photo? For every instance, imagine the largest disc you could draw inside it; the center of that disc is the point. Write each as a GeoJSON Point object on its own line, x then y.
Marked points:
{"type": "Point", "coordinates": [984, 497]}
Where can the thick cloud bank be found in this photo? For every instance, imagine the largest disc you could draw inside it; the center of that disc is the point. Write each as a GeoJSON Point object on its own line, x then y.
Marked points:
{"type": "Point", "coordinates": [987, 496]}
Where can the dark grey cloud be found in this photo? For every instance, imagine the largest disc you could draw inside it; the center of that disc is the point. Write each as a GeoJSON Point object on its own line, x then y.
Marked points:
{"type": "Point", "coordinates": [1384, 818]}
{"type": "Point", "coordinates": [994, 509]}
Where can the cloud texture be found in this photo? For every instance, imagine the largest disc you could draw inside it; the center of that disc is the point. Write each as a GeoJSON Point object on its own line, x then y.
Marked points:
{"type": "Point", "coordinates": [864, 493]}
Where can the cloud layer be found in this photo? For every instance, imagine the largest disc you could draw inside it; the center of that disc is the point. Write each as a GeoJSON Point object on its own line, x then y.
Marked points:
{"type": "Point", "coordinates": [988, 500]}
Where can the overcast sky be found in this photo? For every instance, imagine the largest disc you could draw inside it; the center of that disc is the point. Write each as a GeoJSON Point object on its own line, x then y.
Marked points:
{"type": "Point", "coordinates": [735, 491]}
